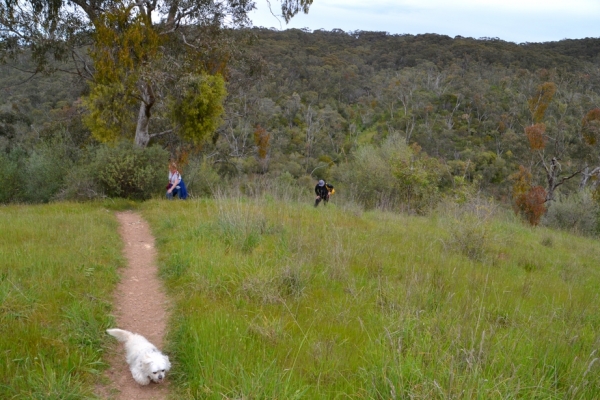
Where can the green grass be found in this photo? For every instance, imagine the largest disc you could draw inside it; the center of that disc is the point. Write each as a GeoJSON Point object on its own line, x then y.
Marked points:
{"type": "Point", "coordinates": [282, 300]}
{"type": "Point", "coordinates": [58, 269]}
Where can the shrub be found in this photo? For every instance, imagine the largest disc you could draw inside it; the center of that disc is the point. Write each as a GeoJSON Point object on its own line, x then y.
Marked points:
{"type": "Point", "coordinates": [532, 204]}
{"type": "Point", "coordinates": [419, 179]}
{"type": "Point", "coordinates": [575, 213]}
{"type": "Point", "coordinates": [369, 175]}
{"type": "Point", "coordinates": [9, 177]}
{"type": "Point", "coordinates": [201, 178]}
{"type": "Point", "coordinates": [39, 174]}
{"type": "Point", "coordinates": [131, 172]}
{"type": "Point", "coordinates": [393, 176]}
{"type": "Point", "coordinates": [528, 200]}
{"type": "Point", "coordinates": [45, 171]}
{"type": "Point", "coordinates": [80, 184]}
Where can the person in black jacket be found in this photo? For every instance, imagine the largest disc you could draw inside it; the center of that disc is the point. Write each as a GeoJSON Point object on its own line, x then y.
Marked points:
{"type": "Point", "coordinates": [322, 190]}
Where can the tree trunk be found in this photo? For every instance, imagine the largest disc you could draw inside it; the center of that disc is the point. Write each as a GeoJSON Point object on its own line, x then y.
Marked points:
{"type": "Point", "coordinates": [552, 172]}
{"type": "Point", "coordinates": [142, 136]}
{"type": "Point", "coordinates": [586, 175]}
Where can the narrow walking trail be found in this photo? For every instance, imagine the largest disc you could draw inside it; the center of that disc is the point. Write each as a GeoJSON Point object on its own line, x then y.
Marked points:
{"type": "Point", "coordinates": [140, 306]}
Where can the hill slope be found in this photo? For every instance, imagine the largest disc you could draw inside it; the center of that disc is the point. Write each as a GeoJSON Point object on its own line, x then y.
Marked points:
{"type": "Point", "coordinates": [282, 300]}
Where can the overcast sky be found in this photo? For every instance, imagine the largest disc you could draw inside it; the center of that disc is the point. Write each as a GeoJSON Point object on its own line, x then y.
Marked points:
{"type": "Point", "coordinates": [511, 20]}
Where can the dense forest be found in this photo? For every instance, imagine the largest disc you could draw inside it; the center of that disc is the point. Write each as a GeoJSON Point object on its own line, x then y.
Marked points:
{"type": "Point", "coordinates": [398, 121]}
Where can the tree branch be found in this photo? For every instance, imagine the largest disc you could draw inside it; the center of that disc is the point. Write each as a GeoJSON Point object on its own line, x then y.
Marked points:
{"type": "Point", "coordinates": [188, 44]}
{"type": "Point", "coordinates": [161, 133]}
{"type": "Point", "coordinates": [566, 178]}
{"type": "Point", "coordinates": [33, 74]}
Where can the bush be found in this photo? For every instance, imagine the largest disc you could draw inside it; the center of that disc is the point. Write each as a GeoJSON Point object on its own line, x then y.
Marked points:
{"type": "Point", "coordinates": [45, 171]}
{"type": "Point", "coordinates": [576, 213]}
{"type": "Point", "coordinates": [10, 186]}
{"type": "Point", "coordinates": [34, 177]}
{"type": "Point", "coordinates": [131, 172]}
{"type": "Point", "coordinates": [369, 176]}
{"type": "Point", "coordinates": [201, 178]}
{"type": "Point", "coordinates": [80, 184]}
{"type": "Point", "coordinates": [393, 176]}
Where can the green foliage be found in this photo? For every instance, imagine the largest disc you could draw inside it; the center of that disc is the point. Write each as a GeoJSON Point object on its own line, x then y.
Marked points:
{"type": "Point", "coordinates": [11, 178]}
{"type": "Point", "coordinates": [123, 43]}
{"type": "Point", "coordinates": [55, 170]}
{"type": "Point", "coordinates": [419, 180]}
{"type": "Point", "coordinates": [201, 179]}
{"type": "Point", "coordinates": [81, 183]}
{"type": "Point", "coordinates": [8, 120]}
{"type": "Point", "coordinates": [109, 111]}
{"type": "Point", "coordinates": [392, 176]}
{"type": "Point", "coordinates": [577, 213]}
{"type": "Point", "coordinates": [46, 171]}
{"type": "Point", "coordinates": [125, 46]}
{"type": "Point", "coordinates": [131, 172]}
{"type": "Point", "coordinates": [369, 176]}
{"type": "Point", "coordinates": [197, 105]}
{"type": "Point", "coordinates": [327, 99]}
{"type": "Point", "coordinates": [36, 177]}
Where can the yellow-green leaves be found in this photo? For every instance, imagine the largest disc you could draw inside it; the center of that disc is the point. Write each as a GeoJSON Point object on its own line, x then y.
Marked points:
{"type": "Point", "coordinates": [197, 105]}
{"type": "Point", "coordinates": [110, 109]}
{"type": "Point", "coordinates": [125, 45]}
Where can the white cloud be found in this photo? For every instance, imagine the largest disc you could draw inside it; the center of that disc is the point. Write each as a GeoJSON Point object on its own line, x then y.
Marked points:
{"type": "Point", "coordinates": [512, 20]}
{"type": "Point", "coordinates": [569, 7]}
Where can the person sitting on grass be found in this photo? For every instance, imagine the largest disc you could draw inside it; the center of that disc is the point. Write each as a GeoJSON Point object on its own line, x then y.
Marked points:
{"type": "Point", "coordinates": [323, 191]}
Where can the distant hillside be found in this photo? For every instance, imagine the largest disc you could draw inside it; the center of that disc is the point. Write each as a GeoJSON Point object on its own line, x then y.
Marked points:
{"type": "Point", "coordinates": [304, 102]}
{"type": "Point", "coordinates": [586, 49]}
{"type": "Point", "coordinates": [463, 100]}
{"type": "Point", "coordinates": [398, 51]}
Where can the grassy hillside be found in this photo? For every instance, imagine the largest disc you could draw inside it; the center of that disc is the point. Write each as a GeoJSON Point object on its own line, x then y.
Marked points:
{"type": "Point", "coordinates": [58, 269]}
{"type": "Point", "coordinates": [282, 300]}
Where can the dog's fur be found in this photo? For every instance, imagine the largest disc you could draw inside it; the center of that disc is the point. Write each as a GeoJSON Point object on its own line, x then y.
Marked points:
{"type": "Point", "coordinates": [146, 362]}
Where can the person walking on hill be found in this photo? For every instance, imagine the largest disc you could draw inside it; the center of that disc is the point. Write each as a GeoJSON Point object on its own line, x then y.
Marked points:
{"type": "Point", "coordinates": [323, 191]}
{"type": "Point", "coordinates": [176, 186]}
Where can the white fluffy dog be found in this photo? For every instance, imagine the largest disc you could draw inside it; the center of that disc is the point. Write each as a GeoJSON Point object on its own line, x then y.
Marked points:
{"type": "Point", "coordinates": [146, 362]}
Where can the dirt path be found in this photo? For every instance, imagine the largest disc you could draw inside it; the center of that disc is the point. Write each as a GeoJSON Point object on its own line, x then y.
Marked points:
{"type": "Point", "coordinates": [140, 306]}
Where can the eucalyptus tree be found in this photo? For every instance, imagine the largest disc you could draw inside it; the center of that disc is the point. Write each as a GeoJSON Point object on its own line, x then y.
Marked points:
{"type": "Point", "coordinates": [162, 59]}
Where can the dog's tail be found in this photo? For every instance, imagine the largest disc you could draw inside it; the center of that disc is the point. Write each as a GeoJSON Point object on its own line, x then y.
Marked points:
{"type": "Point", "coordinates": [121, 334]}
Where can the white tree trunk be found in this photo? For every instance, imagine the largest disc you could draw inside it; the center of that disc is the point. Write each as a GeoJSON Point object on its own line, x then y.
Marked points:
{"type": "Point", "coordinates": [142, 136]}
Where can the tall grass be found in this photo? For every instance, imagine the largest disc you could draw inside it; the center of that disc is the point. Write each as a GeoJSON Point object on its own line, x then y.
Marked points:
{"type": "Point", "coordinates": [57, 272]}
{"type": "Point", "coordinates": [283, 300]}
